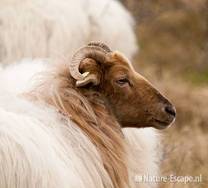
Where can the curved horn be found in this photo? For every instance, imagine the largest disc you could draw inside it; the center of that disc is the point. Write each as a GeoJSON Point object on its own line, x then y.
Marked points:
{"type": "Point", "coordinates": [95, 52]}
{"type": "Point", "coordinates": [100, 44]}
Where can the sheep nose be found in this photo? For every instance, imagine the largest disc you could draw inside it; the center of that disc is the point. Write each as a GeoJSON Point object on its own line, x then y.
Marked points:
{"type": "Point", "coordinates": [170, 110]}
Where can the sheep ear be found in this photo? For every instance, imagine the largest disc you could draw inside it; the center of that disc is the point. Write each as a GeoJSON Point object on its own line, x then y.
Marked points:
{"type": "Point", "coordinates": [91, 78]}
{"type": "Point", "coordinates": [91, 73]}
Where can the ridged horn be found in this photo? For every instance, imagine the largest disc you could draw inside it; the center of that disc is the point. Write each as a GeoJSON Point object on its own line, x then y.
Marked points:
{"type": "Point", "coordinates": [95, 52]}
{"type": "Point", "coordinates": [100, 44]}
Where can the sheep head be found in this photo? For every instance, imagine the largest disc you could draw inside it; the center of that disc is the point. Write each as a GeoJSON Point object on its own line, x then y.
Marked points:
{"type": "Point", "coordinates": [127, 94]}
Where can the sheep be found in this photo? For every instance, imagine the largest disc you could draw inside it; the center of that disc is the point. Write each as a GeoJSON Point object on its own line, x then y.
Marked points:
{"type": "Point", "coordinates": [45, 25]}
{"type": "Point", "coordinates": [67, 130]}
{"type": "Point", "coordinates": [34, 28]}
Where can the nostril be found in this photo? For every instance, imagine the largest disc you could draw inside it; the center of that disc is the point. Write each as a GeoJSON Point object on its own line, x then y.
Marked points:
{"type": "Point", "coordinates": [170, 110]}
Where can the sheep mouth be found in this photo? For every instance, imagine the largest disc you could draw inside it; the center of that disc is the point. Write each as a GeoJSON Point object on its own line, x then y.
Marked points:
{"type": "Point", "coordinates": [160, 124]}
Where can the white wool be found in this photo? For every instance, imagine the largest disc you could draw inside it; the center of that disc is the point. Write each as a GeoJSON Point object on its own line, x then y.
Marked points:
{"type": "Point", "coordinates": [146, 151]}
{"type": "Point", "coordinates": [39, 149]}
{"type": "Point", "coordinates": [55, 28]}
{"type": "Point", "coordinates": [45, 150]}
{"type": "Point", "coordinates": [17, 77]}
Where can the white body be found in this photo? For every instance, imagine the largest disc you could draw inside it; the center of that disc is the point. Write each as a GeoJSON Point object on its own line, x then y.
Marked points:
{"type": "Point", "coordinates": [39, 148]}
{"type": "Point", "coordinates": [55, 28]}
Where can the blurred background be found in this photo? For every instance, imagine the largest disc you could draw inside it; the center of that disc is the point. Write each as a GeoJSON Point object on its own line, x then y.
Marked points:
{"type": "Point", "coordinates": [173, 40]}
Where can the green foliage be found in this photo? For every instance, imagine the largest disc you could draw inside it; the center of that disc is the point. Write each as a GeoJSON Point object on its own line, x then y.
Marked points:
{"type": "Point", "coordinates": [197, 78]}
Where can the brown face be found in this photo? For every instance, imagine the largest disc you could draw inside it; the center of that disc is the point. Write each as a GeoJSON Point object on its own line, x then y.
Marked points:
{"type": "Point", "coordinates": [133, 100]}
{"type": "Point", "coordinates": [128, 95]}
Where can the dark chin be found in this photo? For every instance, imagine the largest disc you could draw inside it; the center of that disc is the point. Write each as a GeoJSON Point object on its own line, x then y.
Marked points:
{"type": "Point", "coordinates": [155, 124]}
{"type": "Point", "coordinates": [161, 125]}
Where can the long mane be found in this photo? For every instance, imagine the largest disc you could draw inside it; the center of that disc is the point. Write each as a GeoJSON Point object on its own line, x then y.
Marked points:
{"type": "Point", "coordinates": [88, 110]}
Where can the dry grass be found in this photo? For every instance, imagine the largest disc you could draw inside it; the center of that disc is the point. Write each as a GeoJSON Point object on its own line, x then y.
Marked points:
{"type": "Point", "coordinates": [186, 143]}
{"type": "Point", "coordinates": [173, 34]}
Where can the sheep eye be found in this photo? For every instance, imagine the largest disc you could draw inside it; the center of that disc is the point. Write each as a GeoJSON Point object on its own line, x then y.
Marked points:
{"type": "Point", "coordinates": [122, 81]}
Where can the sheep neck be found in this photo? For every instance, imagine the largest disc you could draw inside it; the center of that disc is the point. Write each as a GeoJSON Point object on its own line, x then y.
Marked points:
{"type": "Point", "coordinates": [93, 117]}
